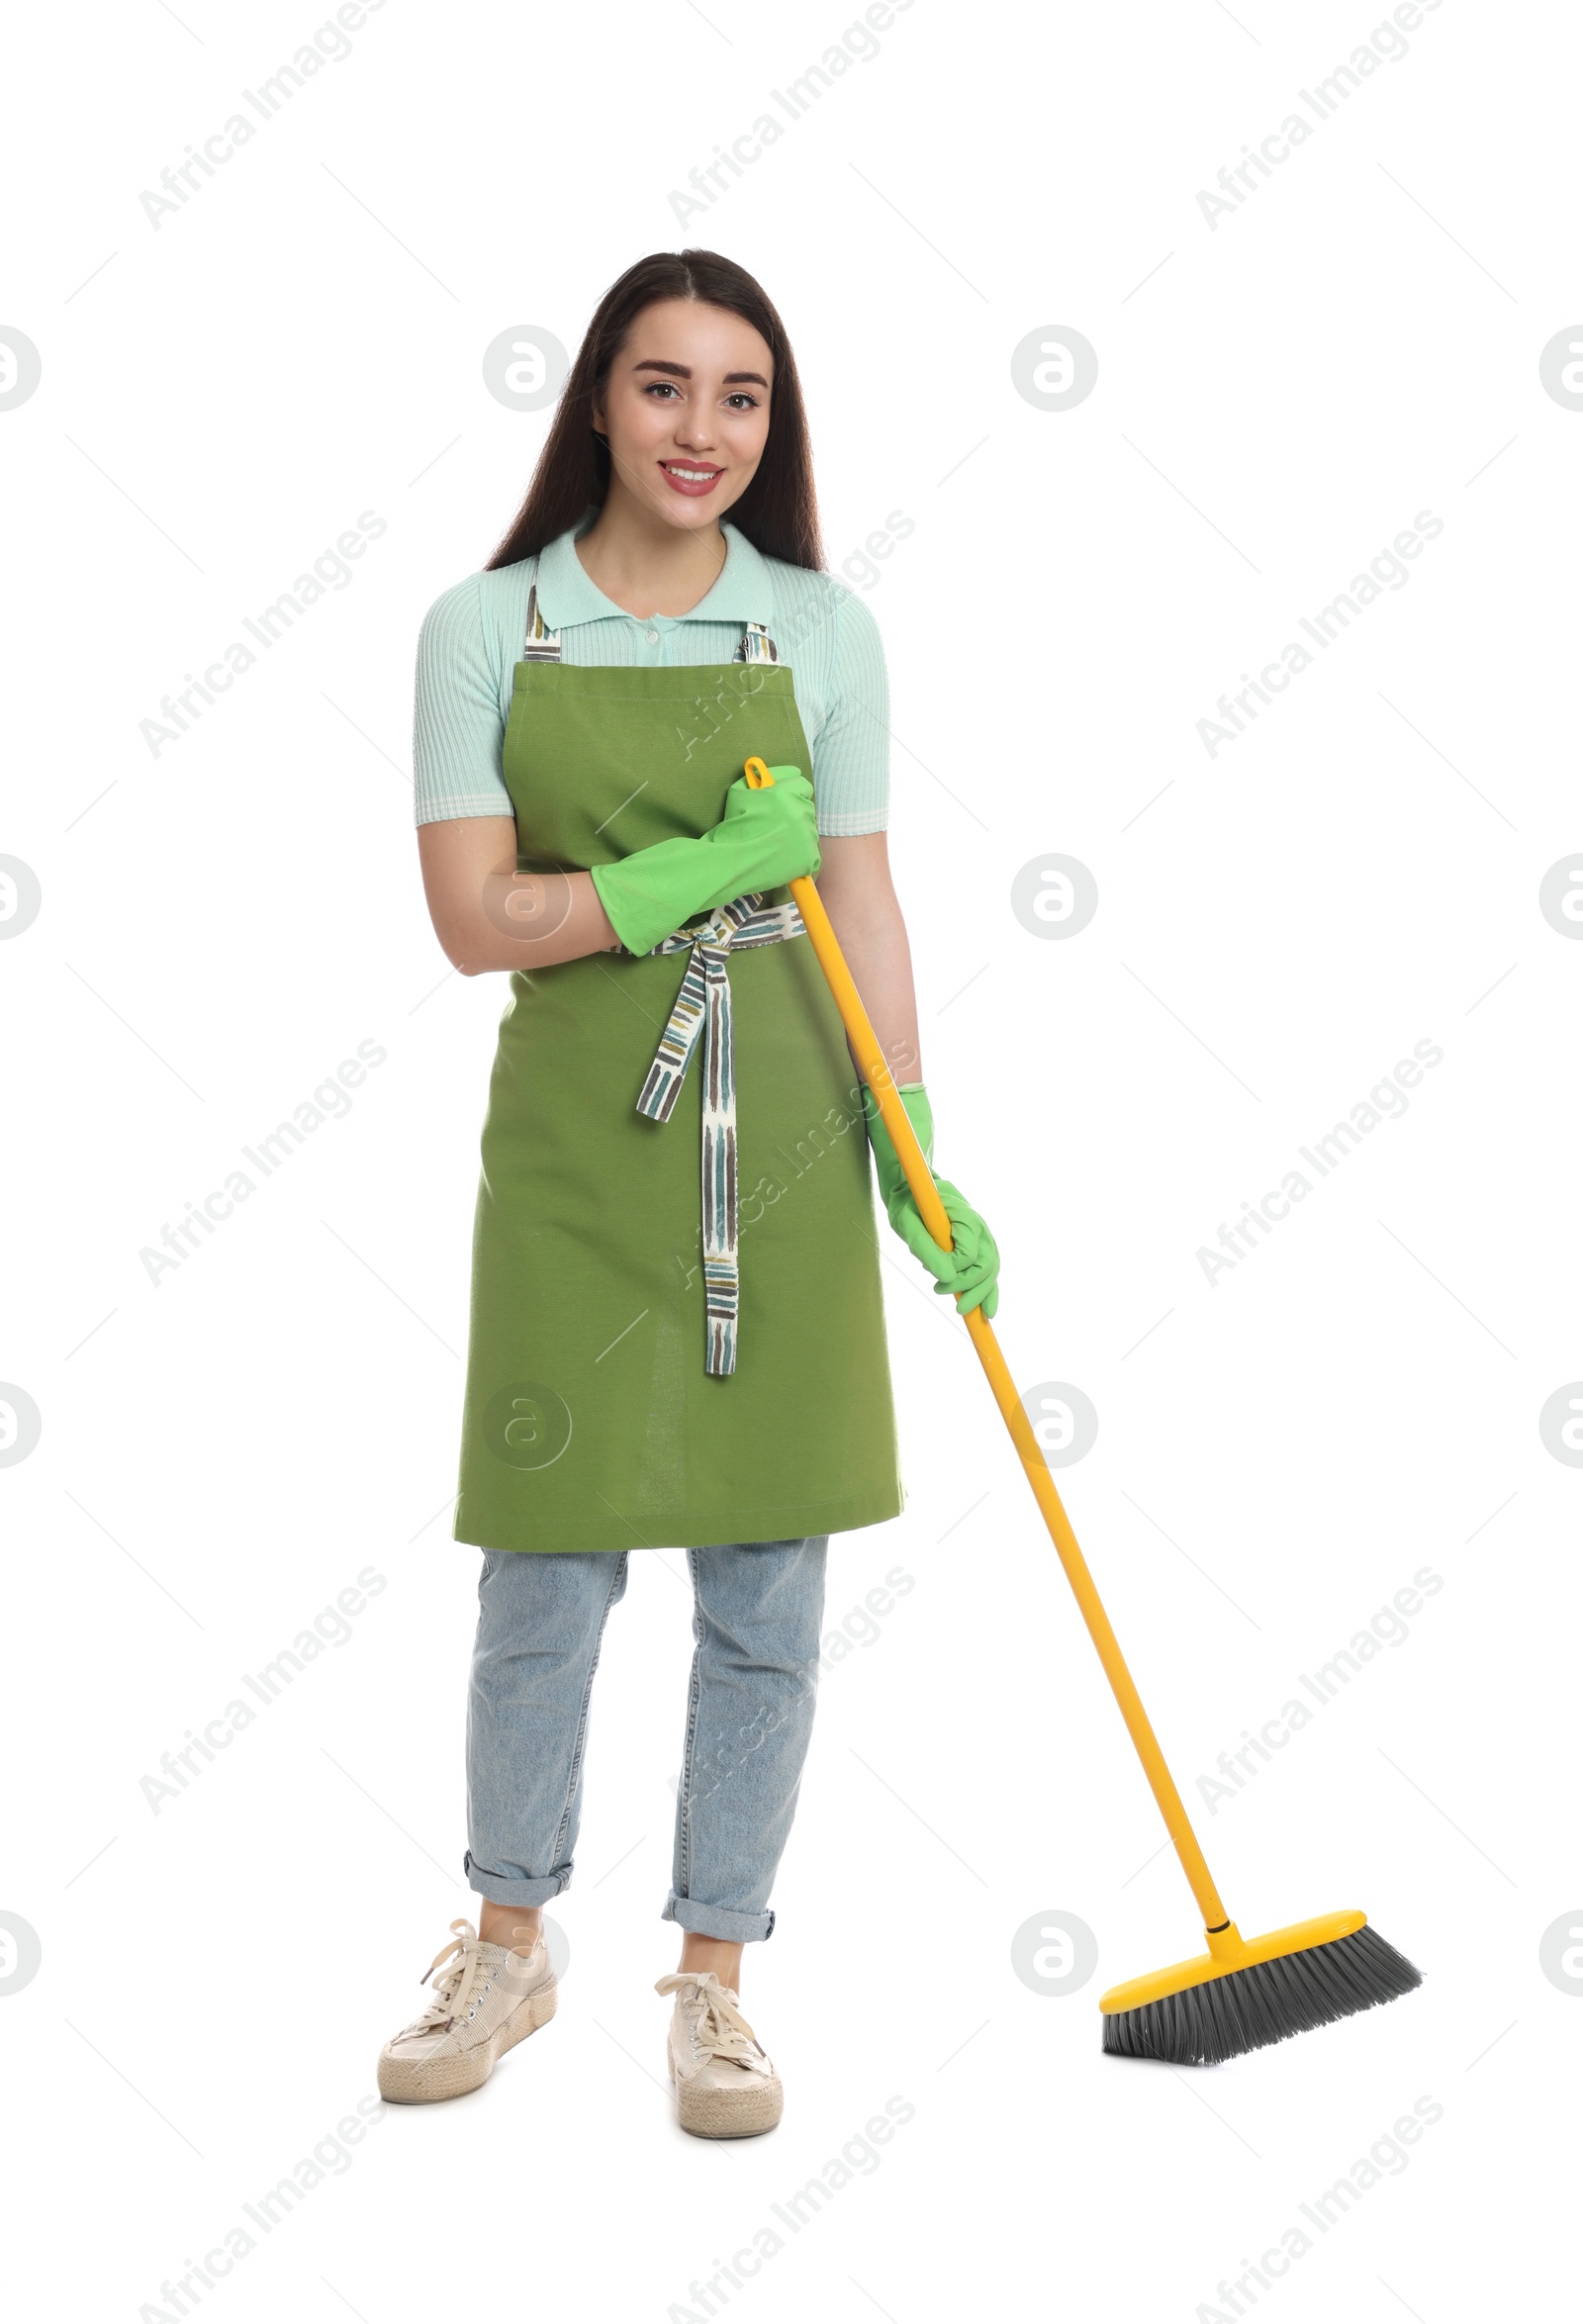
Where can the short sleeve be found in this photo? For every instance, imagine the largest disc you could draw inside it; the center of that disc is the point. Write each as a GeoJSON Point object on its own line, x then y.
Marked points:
{"type": "Point", "coordinates": [852, 757]}
{"type": "Point", "coordinates": [458, 727]}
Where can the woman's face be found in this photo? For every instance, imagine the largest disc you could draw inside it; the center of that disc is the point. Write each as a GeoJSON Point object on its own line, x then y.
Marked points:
{"type": "Point", "coordinates": [687, 410]}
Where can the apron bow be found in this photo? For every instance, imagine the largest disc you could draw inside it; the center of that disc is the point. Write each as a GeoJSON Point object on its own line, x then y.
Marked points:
{"type": "Point", "coordinates": [703, 1008]}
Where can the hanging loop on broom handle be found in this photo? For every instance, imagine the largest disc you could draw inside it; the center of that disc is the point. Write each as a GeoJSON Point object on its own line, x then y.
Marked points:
{"type": "Point", "coordinates": [932, 1211]}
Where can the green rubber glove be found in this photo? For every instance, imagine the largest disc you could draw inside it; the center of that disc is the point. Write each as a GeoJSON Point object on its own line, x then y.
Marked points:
{"type": "Point", "coordinates": [764, 839]}
{"type": "Point", "coordinates": [968, 1270]}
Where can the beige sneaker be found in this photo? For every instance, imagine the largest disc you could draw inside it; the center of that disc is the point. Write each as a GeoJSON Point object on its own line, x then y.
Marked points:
{"type": "Point", "coordinates": [489, 1998]}
{"type": "Point", "coordinates": [726, 2086]}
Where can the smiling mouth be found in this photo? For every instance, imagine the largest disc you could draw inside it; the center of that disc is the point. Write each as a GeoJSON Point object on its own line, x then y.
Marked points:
{"type": "Point", "coordinates": [690, 478]}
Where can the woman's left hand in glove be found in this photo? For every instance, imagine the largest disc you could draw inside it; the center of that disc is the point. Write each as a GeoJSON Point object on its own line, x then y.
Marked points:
{"type": "Point", "coordinates": [969, 1272]}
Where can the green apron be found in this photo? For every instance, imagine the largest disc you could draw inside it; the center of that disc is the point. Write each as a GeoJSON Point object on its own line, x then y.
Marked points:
{"type": "Point", "coordinates": [605, 1284]}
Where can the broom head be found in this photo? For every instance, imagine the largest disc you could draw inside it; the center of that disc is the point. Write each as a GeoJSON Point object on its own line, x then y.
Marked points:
{"type": "Point", "coordinates": [1248, 1992]}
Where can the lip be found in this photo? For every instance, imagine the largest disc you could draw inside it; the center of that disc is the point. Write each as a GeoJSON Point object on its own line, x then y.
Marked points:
{"type": "Point", "coordinates": [690, 491]}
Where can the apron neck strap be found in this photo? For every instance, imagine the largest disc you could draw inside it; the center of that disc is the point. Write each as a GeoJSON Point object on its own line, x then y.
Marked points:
{"type": "Point", "coordinates": [543, 644]}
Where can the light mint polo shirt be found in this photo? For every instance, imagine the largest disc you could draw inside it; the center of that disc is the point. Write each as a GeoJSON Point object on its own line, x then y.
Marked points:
{"type": "Point", "coordinates": [471, 641]}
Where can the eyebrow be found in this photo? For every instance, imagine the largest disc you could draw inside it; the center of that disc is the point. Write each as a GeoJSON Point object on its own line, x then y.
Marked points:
{"type": "Point", "coordinates": [684, 371]}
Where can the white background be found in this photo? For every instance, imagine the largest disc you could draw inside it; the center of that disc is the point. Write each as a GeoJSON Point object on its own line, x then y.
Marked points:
{"type": "Point", "coordinates": [1277, 398]}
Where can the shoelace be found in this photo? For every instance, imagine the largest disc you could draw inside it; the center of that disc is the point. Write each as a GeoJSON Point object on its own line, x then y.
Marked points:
{"type": "Point", "coordinates": [462, 1956]}
{"type": "Point", "coordinates": [456, 1984]}
{"type": "Point", "coordinates": [720, 2025]}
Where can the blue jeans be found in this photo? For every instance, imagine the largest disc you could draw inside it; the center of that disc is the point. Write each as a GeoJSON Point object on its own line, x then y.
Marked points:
{"type": "Point", "coordinates": [757, 1610]}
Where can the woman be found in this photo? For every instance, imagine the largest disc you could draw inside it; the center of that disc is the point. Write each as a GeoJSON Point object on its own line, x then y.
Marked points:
{"type": "Point", "coordinates": [663, 1354]}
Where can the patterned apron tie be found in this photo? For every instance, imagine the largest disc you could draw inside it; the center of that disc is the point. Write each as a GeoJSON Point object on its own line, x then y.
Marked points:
{"type": "Point", "coordinates": [704, 1006]}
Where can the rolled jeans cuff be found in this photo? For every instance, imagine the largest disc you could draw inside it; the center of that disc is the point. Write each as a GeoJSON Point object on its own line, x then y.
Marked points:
{"type": "Point", "coordinates": [497, 1888]}
{"type": "Point", "coordinates": [709, 1920]}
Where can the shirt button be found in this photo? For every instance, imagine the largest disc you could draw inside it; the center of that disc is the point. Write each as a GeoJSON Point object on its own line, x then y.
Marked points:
{"type": "Point", "coordinates": [652, 636]}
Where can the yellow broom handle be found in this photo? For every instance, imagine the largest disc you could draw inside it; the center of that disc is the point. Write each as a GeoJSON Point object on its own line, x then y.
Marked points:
{"type": "Point", "coordinates": [1036, 1469]}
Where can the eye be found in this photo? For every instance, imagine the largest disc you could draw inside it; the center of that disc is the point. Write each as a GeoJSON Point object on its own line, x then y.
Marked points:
{"type": "Point", "coordinates": [669, 383]}
{"type": "Point", "coordinates": [742, 395]}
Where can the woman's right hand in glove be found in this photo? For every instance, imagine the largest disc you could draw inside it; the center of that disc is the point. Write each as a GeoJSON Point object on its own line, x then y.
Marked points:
{"type": "Point", "coordinates": [766, 837]}
{"type": "Point", "coordinates": [763, 838]}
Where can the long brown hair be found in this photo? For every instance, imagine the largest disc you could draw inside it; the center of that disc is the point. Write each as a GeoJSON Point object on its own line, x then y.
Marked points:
{"type": "Point", "coordinates": [778, 513]}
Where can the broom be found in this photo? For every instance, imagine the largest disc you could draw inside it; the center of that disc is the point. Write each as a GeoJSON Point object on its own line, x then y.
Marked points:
{"type": "Point", "coordinates": [1244, 1992]}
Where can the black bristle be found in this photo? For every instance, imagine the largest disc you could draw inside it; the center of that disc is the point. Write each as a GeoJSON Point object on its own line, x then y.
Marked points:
{"type": "Point", "coordinates": [1252, 2007]}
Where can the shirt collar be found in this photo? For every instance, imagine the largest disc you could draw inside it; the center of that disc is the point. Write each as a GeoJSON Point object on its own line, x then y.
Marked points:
{"type": "Point", "coordinates": [567, 596]}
